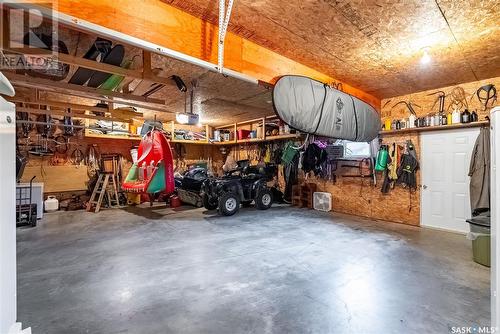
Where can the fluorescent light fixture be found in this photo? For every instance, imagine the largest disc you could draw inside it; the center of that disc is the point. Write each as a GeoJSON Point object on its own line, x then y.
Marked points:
{"type": "Point", "coordinates": [187, 118]}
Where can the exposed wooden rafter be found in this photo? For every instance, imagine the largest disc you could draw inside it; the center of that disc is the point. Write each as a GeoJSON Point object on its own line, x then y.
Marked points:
{"type": "Point", "coordinates": [76, 107]}
{"type": "Point", "coordinates": [61, 113]}
{"type": "Point", "coordinates": [146, 74]}
{"type": "Point", "coordinates": [87, 92]}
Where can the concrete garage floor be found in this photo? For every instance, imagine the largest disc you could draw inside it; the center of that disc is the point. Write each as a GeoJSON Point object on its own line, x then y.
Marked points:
{"type": "Point", "coordinates": [284, 270]}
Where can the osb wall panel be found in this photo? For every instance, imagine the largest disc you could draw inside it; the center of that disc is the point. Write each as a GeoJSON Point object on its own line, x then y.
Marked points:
{"type": "Point", "coordinates": [360, 197]}
{"type": "Point", "coordinates": [426, 101]}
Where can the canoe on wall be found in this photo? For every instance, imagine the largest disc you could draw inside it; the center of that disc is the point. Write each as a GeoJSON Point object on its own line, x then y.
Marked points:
{"type": "Point", "coordinates": [313, 107]}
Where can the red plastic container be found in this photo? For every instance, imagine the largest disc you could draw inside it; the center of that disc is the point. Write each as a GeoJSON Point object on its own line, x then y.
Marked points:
{"type": "Point", "coordinates": [243, 134]}
{"type": "Point", "coordinates": [175, 202]}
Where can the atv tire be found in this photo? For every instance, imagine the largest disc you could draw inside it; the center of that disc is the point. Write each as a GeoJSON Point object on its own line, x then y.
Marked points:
{"type": "Point", "coordinates": [264, 199]}
{"type": "Point", "coordinates": [229, 204]}
{"type": "Point", "coordinates": [209, 205]}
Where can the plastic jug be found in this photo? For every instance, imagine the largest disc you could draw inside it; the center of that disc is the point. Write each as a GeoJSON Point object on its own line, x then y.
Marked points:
{"type": "Point", "coordinates": [455, 116]}
{"type": "Point", "coordinates": [51, 204]}
{"type": "Point", "coordinates": [382, 156]}
{"type": "Point", "coordinates": [412, 120]}
{"type": "Point", "coordinates": [387, 124]}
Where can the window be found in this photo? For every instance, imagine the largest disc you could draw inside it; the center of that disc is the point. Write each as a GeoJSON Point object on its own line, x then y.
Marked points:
{"type": "Point", "coordinates": [356, 149]}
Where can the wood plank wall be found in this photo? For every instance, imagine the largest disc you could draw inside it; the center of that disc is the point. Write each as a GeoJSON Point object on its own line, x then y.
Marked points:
{"type": "Point", "coordinates": [69, 179]}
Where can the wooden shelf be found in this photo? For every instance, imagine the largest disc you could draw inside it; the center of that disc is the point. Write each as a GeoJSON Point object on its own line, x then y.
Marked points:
{"type": "Point", "coordinates": [259, 140]}
{"type": "Point", "coordinates": [186, 141]}
{"type": "Point", "coordinates": [95, 135]}
{"type": "Point", "coordinates": [280, 137]}
{"type": "Point", "coordinates": [250, 140]}
{"type": "Point", "coordinates": [231, 142]}
{"type": "Point", "coordinates": [436, 128]}
{"type": "Point", "coordinates": [192, 128]}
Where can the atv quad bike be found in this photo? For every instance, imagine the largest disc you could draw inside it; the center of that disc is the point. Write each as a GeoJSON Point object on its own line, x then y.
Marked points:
{"type": "Point", "coordinates": [241, 186]}
{"type": "Point", "coordinates": [188, 185]}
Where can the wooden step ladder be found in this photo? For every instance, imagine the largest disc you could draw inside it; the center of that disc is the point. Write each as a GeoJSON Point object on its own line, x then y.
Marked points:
{"type": "Point", "coordinates": [105, 185]}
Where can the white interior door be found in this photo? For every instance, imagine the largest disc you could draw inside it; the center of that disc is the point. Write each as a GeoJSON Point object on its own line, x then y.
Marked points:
{"type": "Point", "coordinates": [445, 160]}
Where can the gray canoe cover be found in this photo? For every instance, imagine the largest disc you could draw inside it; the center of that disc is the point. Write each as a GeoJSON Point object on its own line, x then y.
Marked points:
{"type": "Point", "coordinates": [301, 103]}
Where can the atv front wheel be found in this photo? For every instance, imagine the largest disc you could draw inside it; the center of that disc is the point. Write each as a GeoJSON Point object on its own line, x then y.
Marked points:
{"type": "Point", "coordinates": [208, 204]}
{"type": "Point", "coordinates": [229, 204]}
{"type": "Point", "coordinates": [264, 199]}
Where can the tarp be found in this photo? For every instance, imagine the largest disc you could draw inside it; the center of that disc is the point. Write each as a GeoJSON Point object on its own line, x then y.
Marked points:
{"type": "Point", "coordinates": [313, 107]}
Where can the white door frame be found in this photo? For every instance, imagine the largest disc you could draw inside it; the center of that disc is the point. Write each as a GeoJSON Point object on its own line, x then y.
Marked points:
{"type": "Point", "coordinates": [495, 214]}
{"type": "Point", "coordinates": [8, 304]}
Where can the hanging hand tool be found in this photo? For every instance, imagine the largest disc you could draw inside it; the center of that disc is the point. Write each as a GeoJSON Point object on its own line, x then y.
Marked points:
{"type": "Point", "coordinates": [440, 98]}
{"type": "Point", "coordinates": [491, 94]}
{"type": "Point", "coordinates": [408, 105]}
{"type": "Point", "coordinates": [458, 98]}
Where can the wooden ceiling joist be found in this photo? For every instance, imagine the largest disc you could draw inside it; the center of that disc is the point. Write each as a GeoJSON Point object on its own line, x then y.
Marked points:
{"type": "Point", "coordinates": [117, 113]}
{"type": "Point", "coordinates": [60, 113]}
{"type": "Point", "coordinates": [103, 67]}
{"type": "Point", "coordinates": [87, 92]}
{"type": "Point", "coordinates": [63, 105]}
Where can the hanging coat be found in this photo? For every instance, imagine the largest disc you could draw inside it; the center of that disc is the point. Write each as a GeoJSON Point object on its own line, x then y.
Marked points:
{"type": "Point", "coordinates": [479, 172]}
{"type": "Point", "coordinates": [314, 157]}
{"type": "Point", "coordinates": [392, 167]}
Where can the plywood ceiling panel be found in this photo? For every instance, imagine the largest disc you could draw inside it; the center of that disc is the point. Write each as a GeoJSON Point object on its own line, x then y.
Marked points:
{"type": "Point", "coordinates": [373, 45]}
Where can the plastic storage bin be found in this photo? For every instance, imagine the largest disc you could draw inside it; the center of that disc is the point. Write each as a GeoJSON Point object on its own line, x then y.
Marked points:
{"type": "Point", "coordinates": [481, 239]}
{"type": "Point", "coordinates": [243, 134]}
